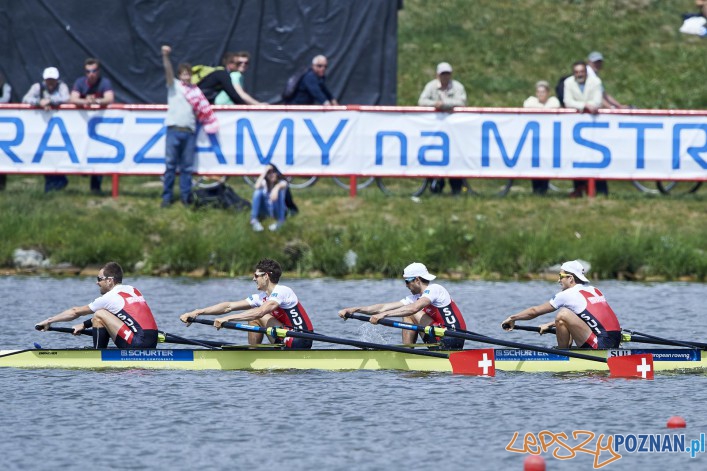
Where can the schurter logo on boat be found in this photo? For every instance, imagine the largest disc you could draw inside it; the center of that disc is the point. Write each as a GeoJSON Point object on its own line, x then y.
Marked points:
{"type": "Point", "coordinates": [147, 355]}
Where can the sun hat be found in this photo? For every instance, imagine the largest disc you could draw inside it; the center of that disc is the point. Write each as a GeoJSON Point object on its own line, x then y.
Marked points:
{"type": "Point", "coordinates": [443, 67]}
{"type": "Point", "coordinates": [50, 73]}
{"type": "Point", "coordinates": [417, 270]}
{"type": "Point", "coordinates": [575, 268]}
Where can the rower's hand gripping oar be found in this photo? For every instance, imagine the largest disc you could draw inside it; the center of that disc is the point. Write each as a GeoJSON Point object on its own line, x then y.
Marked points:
{"type": "Point", "coordinates": [623, 366]}
{"type": "Point", "coordinates": [162, 337]}
{"type": "Point", "coordinates": [477, 363]}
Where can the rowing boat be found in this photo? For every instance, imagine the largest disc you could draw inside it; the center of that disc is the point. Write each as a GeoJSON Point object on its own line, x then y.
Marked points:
{"type": "Point", "coordinates": [244, 358]}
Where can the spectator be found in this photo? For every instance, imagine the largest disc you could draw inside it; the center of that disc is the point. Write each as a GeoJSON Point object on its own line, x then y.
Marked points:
{"type": "Point", "coordinates": [237, 64]}
{"type": "Point", "coordinates": [269, 199]}
{"type": "Point", "coordinates": [5, 89]}
{"type": "Point", "coordinates": [444, 94]}
{"type": "Point", "coordinates": [594, 64]}
{"type": "Point", "coordinates": [5, 92]}
{"type": "Point", "coordinates": [92, 89]}
{"type": "Point", "coordinates": [49, 92]}
{"type": "Point", "coordinates": [585, 94]}
{"type": "Point", "coordinates": [214, 80]}
{"type": "Point", "coordinates": [696, 23]}
{"type": "Point", "coordinates": [312, 88]}
{"type": "Point", "coordinates": [185, 103]}
{"type": "Point", "coordinates": [542, 99]}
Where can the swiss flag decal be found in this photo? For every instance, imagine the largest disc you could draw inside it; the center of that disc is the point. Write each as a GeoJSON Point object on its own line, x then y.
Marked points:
{"type": "Point", "coordinates": [631, 366]}
{"type": "Point", "coordinates": [478, 362]}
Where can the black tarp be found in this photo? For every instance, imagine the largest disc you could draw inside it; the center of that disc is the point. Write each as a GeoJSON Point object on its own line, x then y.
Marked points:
{"type": "Point", "coordinates": [358, 36]}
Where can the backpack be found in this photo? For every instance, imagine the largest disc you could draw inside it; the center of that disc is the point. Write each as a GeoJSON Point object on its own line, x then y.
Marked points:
{"type": "Point", "coordinates": [292, 83]}
{"type": "Point", "coordinates": [560, 89]}
{"type": "Point", "coordinates": [220, 196]}
{"type": "Point", "coordinates": [198, 72]}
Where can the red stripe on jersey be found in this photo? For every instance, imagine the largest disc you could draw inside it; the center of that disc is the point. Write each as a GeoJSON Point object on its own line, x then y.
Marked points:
{"type": "Point", "coordinates": [139, 311]}
{"type": "Point", "coordinates": [449, 316]}
{"type": "Point", "coordinates": [295, 318]}
{"type": "Point", "coordinates": [126, 334]}
{"type": "Point", "coordinates": [600, 311]}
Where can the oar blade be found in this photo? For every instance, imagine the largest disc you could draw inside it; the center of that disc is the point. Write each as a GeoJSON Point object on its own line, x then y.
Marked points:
{"type": "Point", "coordinates": [631, 366]}
{"type": "Point", "coordinates": [477, 362]}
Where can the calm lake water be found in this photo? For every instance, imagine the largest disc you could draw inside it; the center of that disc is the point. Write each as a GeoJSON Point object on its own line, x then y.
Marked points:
{"type": "Point", "coordinates": [367, 420]}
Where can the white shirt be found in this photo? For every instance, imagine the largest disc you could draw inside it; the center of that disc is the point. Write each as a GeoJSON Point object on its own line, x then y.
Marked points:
{"type": "Point", "coordinates": [179, 110]}
{"type": "Point", "coordinates": [438, 296]}
{"type": "Point", "coordinates": [573, 300]}
{"type": "Point", "coordinates": [113, 302]}
{"type": "Point", "coordinates": [282, 295]}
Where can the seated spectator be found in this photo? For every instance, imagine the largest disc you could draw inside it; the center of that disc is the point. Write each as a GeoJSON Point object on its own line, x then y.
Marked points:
{"type": "Point", "coordinates": [269, 199]}
{"type": "Point", "coordinates": [585, 94]}
{"type": "Point", "coordinates": [696, 23]}
{"type": "Point", "coordinates": [595, 62]}
{"type": "Point", "coordinates": [312, 88]}
{"type": "Point", "coordinates": [542, 99]}
{"type": "Point", "coordinates": [444, 94]}
{"type": "Point", "coordinates": [92, 89]}
{"type": "Point", "coordinates": [49, 92]}
{"type": "Point", "coordinates": [237, 63]}
{"type": "Point", "coordinates": [5, 90]}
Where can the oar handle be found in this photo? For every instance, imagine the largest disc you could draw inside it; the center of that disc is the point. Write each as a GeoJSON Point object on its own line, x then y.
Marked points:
{"type": "Point", "coordinates": [387, 322]}
{"type": "Point", "coordinates": [66, 330]}
{"type": "Point", "coordinates": [531, 328]}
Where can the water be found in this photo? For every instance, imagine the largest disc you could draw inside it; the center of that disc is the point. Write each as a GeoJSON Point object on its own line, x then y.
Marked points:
{"type": "Point", "coordinates": [363, 420]}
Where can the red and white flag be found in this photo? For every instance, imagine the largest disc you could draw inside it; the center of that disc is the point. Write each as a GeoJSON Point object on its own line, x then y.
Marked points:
{"type": "Point", "coordinates": [631, 366]}
{"type": "Point", "coordinates": [478, 362]}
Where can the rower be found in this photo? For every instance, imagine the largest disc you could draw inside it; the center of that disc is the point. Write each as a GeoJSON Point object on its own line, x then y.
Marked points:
{"type": "Point", "coordinates": [584, 315]}
{"type": "Point", "coordinates": [120, 314]}
{"type": "Point", "coordinates": [274, 306]}
{"type": "Point", "coordinates": [429, 304]}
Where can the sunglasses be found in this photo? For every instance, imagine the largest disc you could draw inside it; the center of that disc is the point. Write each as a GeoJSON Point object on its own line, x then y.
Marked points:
{"type": "Point", "coordinates": [410, 280]}
{"type": "Point", "coordinates": [242, 62]}
{"type": "Point", "coordinates": [563, 276]}
{"type": "Point", "coordinates": [91, 71]}
{"type": "Point", "coordinates": [101, 278]}
{"type": "Point", "coordinates": [258, 275]}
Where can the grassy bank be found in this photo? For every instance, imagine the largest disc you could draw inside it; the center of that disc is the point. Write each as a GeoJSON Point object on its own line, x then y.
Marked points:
{"type": "Point", "coordinates": [628, 235]}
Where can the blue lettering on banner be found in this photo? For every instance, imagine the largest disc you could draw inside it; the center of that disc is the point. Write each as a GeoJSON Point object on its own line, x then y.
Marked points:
{"type": "Point", "coordinates": [286, 125]}
{"type": "Point", "coordinates": [640, 139]}
{"type": "Point", "coordinates": [443, 148]}
{"type": "Point", "coordinates": [603, 150]}
{"type": "Point", "coordinates": [557, 144]}
{"type": "Point", "coordinates": [694, 152]}
{"type": "Point", "coordinates": [215, 148]}
{"type": "Point", "coordinates": [489, 127]}
{"type": "Point", "coordinates": [402, 139]}
{"type": "Point", "coordinates": [141, 155]}
{"type": "Point", "coordinates": [117, 145]}
{"type": "Point", "coordinates": [325, 146]}
{"type": "Point", "coordinates": [147, 355]}
{"type": "Point", "coordinates": [19, 137]}
{"type": "Point", "coordinates": [511, 354]}
{"type": "Point", "coordinates": [44, 146]}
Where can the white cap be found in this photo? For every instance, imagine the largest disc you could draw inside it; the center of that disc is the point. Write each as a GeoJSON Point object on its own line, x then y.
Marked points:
{"type": "Point", "coordinates": [443, 67]}
{"type": "Point", "coordinates": [417, 269]}
{"type": "Point", "coordinates": [50, 73]}
{"type": "Point", "coordinates": [575, 268]}
{"type": "Point", "coordinates": [595, 56]}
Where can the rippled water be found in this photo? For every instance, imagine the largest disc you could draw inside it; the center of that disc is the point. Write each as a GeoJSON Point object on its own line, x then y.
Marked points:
{"type": "Point", "coordinates": [364, 420]}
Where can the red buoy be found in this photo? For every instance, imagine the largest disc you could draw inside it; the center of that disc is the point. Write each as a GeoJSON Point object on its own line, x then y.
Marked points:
{"type": "Point", "coordinates": [534, 463]}
{"type": "Point", "coordinates": [676, 422]}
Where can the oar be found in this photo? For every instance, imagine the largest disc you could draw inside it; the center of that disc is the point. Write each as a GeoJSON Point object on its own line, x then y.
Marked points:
{"type": "Point", "coordinates": [162, 337]}
{"type": "Point", "coordinates": [632, 336]}
{"type": "Point", "coordinates": [461, 362]}
{"type": "Point", "coordinates": [614, 370]}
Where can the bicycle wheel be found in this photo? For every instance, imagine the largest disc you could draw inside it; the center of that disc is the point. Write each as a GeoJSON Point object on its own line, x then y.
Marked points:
{"type": "Point", "coordinates": [561, 186]}
{"type": "Point", "coordinates": [488, 186]}
{"type": "Point", "coordinates": [208, 182]}
{"type": "Point", "coordinates": [295, 182]}
{"type": "Point", "coordinates": [677, 187]}
{"type": "Point", "coordinates": [402, 186]}
{"type": "Point", "coordinates": [643, 186]}
{"type": "Point", "coordinates": [361, 183]}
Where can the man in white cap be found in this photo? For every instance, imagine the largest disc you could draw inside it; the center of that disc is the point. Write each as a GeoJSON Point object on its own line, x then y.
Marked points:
{"type": "Point", "coordinates": [50, 92]}
{"type": "Point", "coordinates": [584, 315]}
{"type": "Point", "coordinates": [443, 93]}
{"type": "Point", "coordinates": [429, 304]}
{"type": "Point", "coordinates": [595, 61]}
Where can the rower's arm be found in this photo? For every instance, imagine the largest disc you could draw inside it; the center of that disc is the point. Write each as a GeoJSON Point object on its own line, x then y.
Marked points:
{"type": "Point", "coordinates": [371, 309]}
{"type": "Point", "coordinates": [67, 315]}
{"type": "Point", "coordinates": [406, 310]}
{"type": "Point", "coordinates": [527, 314]}
{"type": "Point", "coordinates": [216, 310]}
{"type": "Point", "coordinates": [249, 315]}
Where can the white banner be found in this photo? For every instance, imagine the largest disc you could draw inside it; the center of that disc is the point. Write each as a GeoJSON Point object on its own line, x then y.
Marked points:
{"type": "Point", "coordinates": [365, 143]}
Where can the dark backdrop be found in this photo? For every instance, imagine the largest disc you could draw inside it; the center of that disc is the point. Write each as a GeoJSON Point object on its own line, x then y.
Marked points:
{"type": "Point", "coordinates": [358, 36]}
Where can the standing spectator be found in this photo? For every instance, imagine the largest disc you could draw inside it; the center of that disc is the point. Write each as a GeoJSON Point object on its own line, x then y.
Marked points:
{"type": "Point", "coordinates": [5, 92]}
{"type": "Point", "coordinates": [585, 94]}
{"type": "Point", "coordinates": [92, 89]}
{"type": "Point", "coordinates": [237, 64]}
{"type": "Point", "coordinates": [542, 99]}
{"type": "Point", "coordinates": [696, 23]}
{"type": "Point", "coordinates": [269, 199]}
{"type": "Point", "coordinates": [595, 62]}
{"type": "Point", "coordinates": [5, 89]}
{"type": "Point", "coordinates": [444, 94]}
{"type": "Point", "coordinates": [181, 130]}
{"type": "Point", "coordinates": [49, 92]}
{"type": "Point", "coordinates": [312, 89]}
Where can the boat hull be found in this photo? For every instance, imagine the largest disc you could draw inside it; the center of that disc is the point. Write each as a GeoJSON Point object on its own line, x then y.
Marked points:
{"type": "Point", "coordinates": [327, 359]}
